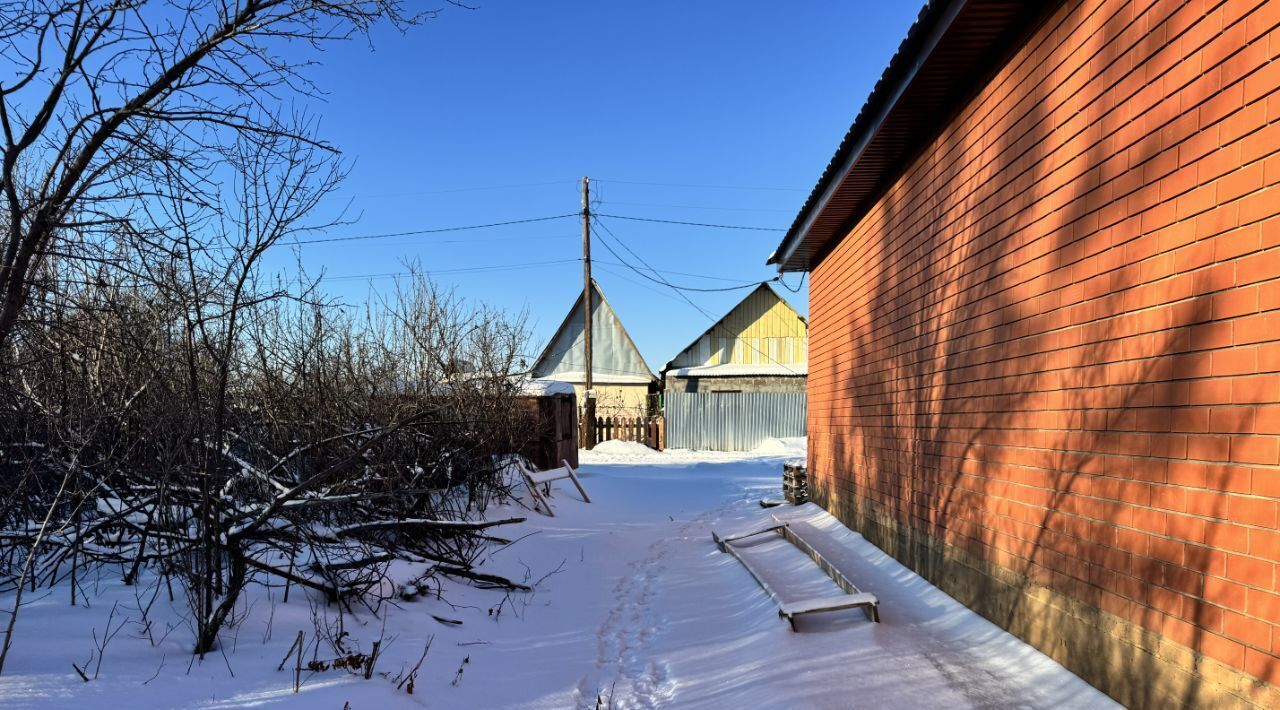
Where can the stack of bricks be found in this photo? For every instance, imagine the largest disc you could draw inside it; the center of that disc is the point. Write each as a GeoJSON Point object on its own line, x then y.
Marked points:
{"type": "Point", "coordinates": [795, 483]}
{"type": "Point", "coordinates": [1045, 365]}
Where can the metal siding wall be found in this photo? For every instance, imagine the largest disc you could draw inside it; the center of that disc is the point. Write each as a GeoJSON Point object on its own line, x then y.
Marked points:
{"type": "Point", "coordinates": [732, 421]}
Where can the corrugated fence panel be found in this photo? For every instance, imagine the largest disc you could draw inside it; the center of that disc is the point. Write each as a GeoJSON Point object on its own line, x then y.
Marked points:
{"type": "Point", "coordinates": [732, 421]}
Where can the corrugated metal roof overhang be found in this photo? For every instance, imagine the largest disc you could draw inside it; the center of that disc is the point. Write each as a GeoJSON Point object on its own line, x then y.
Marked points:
{"type": "Point", "coordinates": [950, 49]}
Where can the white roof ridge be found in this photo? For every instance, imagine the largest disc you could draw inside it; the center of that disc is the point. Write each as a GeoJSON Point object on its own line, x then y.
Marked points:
{"type": "Point", "coordinates": [733, 369]}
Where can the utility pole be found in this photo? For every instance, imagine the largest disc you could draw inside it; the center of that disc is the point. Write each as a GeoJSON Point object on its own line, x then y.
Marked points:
{"type": "Point", "coordinates": [589, 403]}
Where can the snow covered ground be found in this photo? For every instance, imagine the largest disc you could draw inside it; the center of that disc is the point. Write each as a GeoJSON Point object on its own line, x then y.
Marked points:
{"type": "Point", "coordinates": [633, 605]}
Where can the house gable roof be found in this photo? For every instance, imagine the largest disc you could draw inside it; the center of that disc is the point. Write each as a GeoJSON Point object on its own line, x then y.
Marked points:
{"type": "Point", "coordinates": [615, 357]}
{"type": "Point", "coordinates": [763, 296]}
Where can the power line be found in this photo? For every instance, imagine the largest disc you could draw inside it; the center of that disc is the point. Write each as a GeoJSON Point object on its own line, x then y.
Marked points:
{"type": "Point", "coordinates": [436, 230]}
{"type": "Point", "coordinates": [693, 224]}
{"type": "Point", "coordinates": [618, 273]}
{"type": "Point", "coordinates": [364, 277]}
{"type": "Point", "coordinates": [475, 239]}
{"type": "Point", "coordinates": [798, 286]}
{"type": "Point", "coordinates": [462, 270]}
{"type": "Point", "coordinates": [444, 191]}
{"type": "Point", "coordinates": [707, 187]}
{"type": "Point", "coordinates": [699, 207]}
{"type": "Point", "coordinates": [449, 191]}
{"type": "Point", "coordinates": [662, 281]}
{"type": "Point", "coordinates": [680, 273]}
{"type": "Point", "coordinates": [683, 295]}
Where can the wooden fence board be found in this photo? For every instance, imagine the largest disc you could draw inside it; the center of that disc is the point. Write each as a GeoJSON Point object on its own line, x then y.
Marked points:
{"type": "Point", "coordinates": [650, 431]}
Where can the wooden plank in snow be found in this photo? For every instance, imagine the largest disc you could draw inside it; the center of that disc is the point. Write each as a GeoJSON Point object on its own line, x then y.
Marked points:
{"type": "Point", "coordinates": [537, 478]}
{"type": "Point", "coordinates": [796, 534]}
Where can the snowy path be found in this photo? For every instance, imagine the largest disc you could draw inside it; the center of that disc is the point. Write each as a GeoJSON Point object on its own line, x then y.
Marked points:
{"type": "Point", "coordinates": [689, 627]}
{"type": "Point", "coordinates": [643, 612]}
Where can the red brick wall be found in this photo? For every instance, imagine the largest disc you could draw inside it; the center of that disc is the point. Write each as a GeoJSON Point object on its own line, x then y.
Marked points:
{"type": "Point", "coordinates": [1054, 341]}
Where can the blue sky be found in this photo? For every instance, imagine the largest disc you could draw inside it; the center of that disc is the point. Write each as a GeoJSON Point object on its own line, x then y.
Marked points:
{"type": "Point", "coordinates": [671, 108]}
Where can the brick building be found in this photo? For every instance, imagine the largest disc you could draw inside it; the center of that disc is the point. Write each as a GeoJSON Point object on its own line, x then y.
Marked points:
{"type": "Point", "coordinates": [1044, 355]}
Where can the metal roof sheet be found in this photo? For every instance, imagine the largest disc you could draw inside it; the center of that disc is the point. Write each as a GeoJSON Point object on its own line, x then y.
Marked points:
{"type": "Point", "coordinates": [615, 357]}
{"type": "Point", "coordinates": [949, 50]}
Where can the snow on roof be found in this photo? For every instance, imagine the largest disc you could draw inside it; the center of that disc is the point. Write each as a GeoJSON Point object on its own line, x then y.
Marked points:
{"type": "Point", "coordinates": [603, 378]}
{"type": "Point", "coordinates": [743, 370]}
{"type": "Point", "coordinates": [544, 388]}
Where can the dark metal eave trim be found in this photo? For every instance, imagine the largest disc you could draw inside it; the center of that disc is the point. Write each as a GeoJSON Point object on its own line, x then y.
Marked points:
{"type": "Point", "coordinates": [783, 256]}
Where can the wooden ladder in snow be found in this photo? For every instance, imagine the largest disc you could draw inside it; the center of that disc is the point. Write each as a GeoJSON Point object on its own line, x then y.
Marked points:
{"type": "Point", "coordinates": [538, 478]}
{"type": "Point", "coordinates": [853, 598]}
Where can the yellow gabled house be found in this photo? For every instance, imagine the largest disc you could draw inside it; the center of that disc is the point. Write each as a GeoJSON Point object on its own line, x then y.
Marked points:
{"type": "Point", "coordinates": [760, 345]}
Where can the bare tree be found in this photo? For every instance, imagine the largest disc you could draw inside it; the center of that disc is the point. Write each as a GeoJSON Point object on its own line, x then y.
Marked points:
{"type": "Point", "coordinates": [166, 408]}
{"type": "Point", "coordinates": [257, 434]}
{"type": "Point", "coordinates": [107, 104]}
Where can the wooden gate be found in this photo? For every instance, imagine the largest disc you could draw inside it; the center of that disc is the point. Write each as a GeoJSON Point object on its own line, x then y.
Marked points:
{"type": "Point", "coordinates": [650, 431]}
